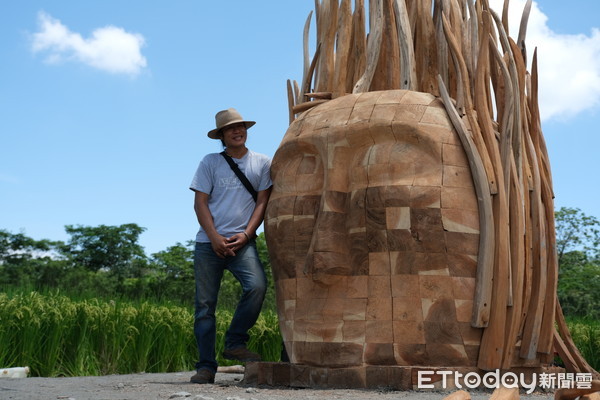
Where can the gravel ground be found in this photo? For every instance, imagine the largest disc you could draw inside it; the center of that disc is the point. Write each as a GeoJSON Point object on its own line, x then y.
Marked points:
{"type": "Point", "coordinates": [227, 386]}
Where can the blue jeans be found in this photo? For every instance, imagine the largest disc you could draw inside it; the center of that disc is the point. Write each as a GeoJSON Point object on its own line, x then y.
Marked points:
{"type": "Point", "coordinates": [208, 268]}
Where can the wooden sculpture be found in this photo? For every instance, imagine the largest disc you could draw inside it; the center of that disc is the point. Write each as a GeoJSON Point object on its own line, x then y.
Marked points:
{"type": "Point", "coordinates": [412, 220]}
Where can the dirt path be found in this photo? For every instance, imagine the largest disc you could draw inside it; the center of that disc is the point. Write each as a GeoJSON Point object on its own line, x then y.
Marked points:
{"type": "Point", "coordinates": [177, 386]}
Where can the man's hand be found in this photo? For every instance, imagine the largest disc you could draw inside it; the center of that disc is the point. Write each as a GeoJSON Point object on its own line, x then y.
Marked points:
{"type": "Point", "coordinates": [226, 247]}
{"type": "Point", "coordinates": [237, 241]}
{"type": "Point", "coordinates": [222, 247]}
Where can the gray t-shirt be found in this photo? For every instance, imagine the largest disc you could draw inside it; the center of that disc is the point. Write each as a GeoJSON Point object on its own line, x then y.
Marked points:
{"type": "Point", "coordinates": [229, 202]}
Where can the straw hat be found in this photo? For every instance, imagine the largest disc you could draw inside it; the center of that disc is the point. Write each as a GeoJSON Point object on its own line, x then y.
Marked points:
{"type": "Point", "coordinates": [225, 118]}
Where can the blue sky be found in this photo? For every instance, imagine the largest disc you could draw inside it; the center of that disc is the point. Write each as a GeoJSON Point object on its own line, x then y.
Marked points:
{"type": "Point", "coordinates": [105, 105]}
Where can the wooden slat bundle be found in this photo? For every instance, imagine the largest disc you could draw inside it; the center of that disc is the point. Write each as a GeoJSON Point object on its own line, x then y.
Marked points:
{"type": "Point", "coordinates": [460, 51]}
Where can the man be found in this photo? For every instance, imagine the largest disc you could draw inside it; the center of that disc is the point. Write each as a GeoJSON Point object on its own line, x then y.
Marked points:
{"type": "Point", "coordinates": [229, 216]}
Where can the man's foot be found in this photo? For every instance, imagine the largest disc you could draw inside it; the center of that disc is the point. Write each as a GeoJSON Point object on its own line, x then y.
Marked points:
{"type": "Point", "coordinates": [203, 376]}
{"type": "Point", "coordinates": [241, 354]}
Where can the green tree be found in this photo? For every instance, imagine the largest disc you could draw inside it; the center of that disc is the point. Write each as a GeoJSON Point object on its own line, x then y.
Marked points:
{"type": "Point", "coordinates": [113, 249]}
{"type": "Point", "coordinates": [576, 231]}
{"type": "Point", "coordinates": [577, 240]}
{"type": "Point", "coordinates": [172, 273]}
{"type": "Point", "coordinates": [28, 262]}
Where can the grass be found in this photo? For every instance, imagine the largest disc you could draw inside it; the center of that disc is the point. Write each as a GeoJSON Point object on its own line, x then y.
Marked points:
{"type": "Point", "coordinates": [586, 335]}
{"type": "Point", "coordinates": [57, 336]}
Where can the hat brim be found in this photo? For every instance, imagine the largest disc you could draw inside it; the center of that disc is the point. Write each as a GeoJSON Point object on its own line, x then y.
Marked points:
{"type": "Point", "coordinates": [214, 134]}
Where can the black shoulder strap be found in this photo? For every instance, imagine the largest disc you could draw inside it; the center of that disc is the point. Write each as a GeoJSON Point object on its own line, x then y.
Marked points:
{"type": "Point", "coordinates": [240, 175]}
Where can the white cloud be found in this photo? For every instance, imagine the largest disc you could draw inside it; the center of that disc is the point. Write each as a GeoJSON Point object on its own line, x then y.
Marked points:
{"type": "Point", "coordinates": [110, 48]}
{"type": "Point", "coordinates": [568, 65]}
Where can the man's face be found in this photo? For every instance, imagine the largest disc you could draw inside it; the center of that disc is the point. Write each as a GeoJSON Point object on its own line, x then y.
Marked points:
{"type": "Point", "coordinates": [373, 232]}
{"type": "Point", "coordinates": [234, 135]}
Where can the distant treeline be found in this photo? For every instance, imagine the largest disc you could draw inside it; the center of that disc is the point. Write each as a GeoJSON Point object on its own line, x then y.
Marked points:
{"type": "Point", "coordinates": [108, 262]}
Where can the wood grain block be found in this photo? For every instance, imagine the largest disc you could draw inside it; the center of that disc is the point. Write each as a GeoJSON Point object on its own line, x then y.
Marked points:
{"type": "Point", "coordinates": [409, 332]}
{"type": "Point", "coordinates": [401, 261]}
{"type": "Point", "coordinates": [440, 309]}
{"type": "Point", "coordinates": [361, 113]}
{"type": "Point", "coordinates": [407, 309]}
{"type": "Point", "coordinates": [397, 196]}
{"type": "Point", "coordinates": [391, 97]}
{"type": "Point", "coordinates": [425, 197]}
{"type": "Point", "coordinates": [355, 309]}
{"type": "Point", "coordinates": [358, 287]}
{"type": "Point", "coordinates": [464, 310]}
{"type": "Point", "coordinates": [410, 97]}
{"type": "Point", "coordinates": [462, 243]}
{"type": "Point", "coordinates": [354, 331]}
{"type": "Point", "coordinates": [379, 332]}
{"type": "Point", "coordinates": [380, 354]}
{"type": "Point", "coordinates": [463, 288]}
{"type": "Point", "coordinates": [400, 240]}
{"type": "Point", "coordinates": [407, 353]}
{"type": "Point", "coordinates": [462, 265]}
{"type": "Point", "coordinates": [426, 219]}
{"type": "Point", "coordinates": [459, 177]}
{"type": "Point", "coordinates": [379, 264]}
{"type": "Point", "coordinates": [459, 198]}
{"type": "Point", "coordinates": [379, 287]}
{"type": "Point", "coordinates": [453, 154]}
{"type": "Point", "coordinates": [409, 113]}
{"type": "Point", "coordinates": [430, 264]}
{"type": "Point", "coordinates": [397, 217]}
{"type": "Point", "coordinates": [440, 332]}
{"type": "Point", "coordinates": [457, 220]}
{"type": "Point", "coordinates": [379, 309]}
{"type": "Point", "coordinates": [377, 239]}
{"type": "Point", "coordinates": [446, 354]}
{"type": "Point", "coordinates": [406, 285]}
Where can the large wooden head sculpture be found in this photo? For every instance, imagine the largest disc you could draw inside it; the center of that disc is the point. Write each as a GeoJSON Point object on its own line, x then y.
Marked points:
{"type": "Point", "coordinates": [411, 219]}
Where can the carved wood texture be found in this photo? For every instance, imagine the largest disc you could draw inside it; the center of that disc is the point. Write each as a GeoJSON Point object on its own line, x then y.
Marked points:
{"type": "Point", "coordinates": [411, 220]}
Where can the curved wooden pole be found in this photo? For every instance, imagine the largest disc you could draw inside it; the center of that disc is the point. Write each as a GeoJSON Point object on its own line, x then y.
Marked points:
{"type": "Point", "coordinates": [373, 49]}
{"type": "Point", "coordinates": [408, 72]}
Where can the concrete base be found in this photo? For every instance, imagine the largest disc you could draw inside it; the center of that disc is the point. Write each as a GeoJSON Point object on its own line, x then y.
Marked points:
{"type": "Point", "coordinates": [382, 377]}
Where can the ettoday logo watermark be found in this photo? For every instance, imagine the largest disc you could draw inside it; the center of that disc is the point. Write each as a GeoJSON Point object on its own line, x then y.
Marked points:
{"type": "Point", "coordinates": [496, 379]}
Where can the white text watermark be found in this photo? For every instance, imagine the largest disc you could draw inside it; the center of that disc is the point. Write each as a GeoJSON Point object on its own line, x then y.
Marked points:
{"type": "Point", "coordinates": [496, 379]}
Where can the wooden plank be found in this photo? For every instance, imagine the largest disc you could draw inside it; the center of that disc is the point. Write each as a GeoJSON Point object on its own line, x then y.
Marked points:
{"type": "Point", "coordinates": [572, 394]}
{"type": "Point", "coordinates": [373, 48]}
{"type": "Point", "coordinates": [485, 260]}
{"type": "Point", "coordinates": [306, 70]}
{"type": "Point", "coordinates": [463, 84]}
{"type": "Point", "coordinates": [538, 280]}
{"type": "Point", "coordinates": [517, 244]}
{"type": "Point", "coordinates": [291, 102]}
{"type": "Point", "coordinates": [408, 73]}
{"type": "Point", "coordinates": [342, 48]}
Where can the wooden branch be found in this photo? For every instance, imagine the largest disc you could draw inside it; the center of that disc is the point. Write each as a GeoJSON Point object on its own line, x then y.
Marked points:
{"type": "Point", "coordinates": [523, 30]}
{"type": "Point", "coordinates": [299, 108]}
{"type": "Point", "coordinates": [563, 331]}
{"type": "Point", "coordinates": [373, 49]}
{"type": "Point", "coordinates": [458, 395]}
{"type": "Point", "coordinates": [307, 83]}
{"type": "Point", "coordinates": [307, 62]}
{"type": "Point", "coordinates": [321, 95]}
{"type": "Point", "coordinates": [343, 48]}
{"type": "Point", "coordinates": [503, 393]}
{"type": "Point", "coordinates": [572, 394]}
{"type": "Point", "coordinates": [291, 103]}
{"type": "Point", "coordinates": [408, 73]}
{"type": "Point", "coordinates": [485, 260]}
{"type": "Point", "coordinates": [461, 70]}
